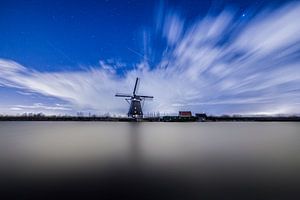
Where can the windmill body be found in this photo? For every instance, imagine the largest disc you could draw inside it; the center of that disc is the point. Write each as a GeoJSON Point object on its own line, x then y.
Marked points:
{"type": "Point", "coordinates": [135, 101]}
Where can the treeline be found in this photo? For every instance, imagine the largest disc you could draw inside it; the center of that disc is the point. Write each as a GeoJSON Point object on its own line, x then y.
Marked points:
{"type": "Point", "coordinates": [253, 118]}
{"type": "Point", "coordinates": [62, 118]}
{"type": "Point", "coordinates": [42, 117]}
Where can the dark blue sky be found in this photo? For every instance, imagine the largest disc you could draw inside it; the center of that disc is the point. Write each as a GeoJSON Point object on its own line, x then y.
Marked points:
{"type": "Point", "coordinates": [58, 35]}
{"type": "Point", "coordinates": [233, 56]}
{"type": "Point", "coordinates": [66, 33]}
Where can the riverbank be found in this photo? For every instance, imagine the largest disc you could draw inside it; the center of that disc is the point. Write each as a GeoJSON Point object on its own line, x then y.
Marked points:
{"type": "Point", "coordinates": [151, 119]}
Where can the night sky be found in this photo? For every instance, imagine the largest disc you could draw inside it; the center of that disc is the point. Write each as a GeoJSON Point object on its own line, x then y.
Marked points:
{"type": "Point", "coordinates": [219, 57]}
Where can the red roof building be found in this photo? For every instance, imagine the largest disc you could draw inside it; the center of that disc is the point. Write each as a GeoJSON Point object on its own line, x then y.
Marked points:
{"type": "Point", "coordinates": [185, 114]}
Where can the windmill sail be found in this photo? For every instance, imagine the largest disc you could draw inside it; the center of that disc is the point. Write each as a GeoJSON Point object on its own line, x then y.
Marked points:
{"type": "Point", "coordinates": [143, 96]}
{"type": "Point", "coordinates": [122, 95]}
{"type": "Point", "coordinates": [135, 85]}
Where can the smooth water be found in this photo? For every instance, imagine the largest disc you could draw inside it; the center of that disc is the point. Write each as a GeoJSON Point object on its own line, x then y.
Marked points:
{"type": "Point", "coordinates": [188, 159]}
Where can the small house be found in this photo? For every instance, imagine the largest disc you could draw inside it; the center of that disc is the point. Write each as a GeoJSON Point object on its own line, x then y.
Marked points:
{"type": "Point", "coordinates": [185, 114]}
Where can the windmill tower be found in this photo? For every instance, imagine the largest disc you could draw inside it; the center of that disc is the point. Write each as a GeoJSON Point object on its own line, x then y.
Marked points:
{"type": "Point", "coordinates": [134, 100]}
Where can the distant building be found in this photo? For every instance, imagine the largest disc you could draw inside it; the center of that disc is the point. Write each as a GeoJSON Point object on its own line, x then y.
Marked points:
{"type": "Point", "coordinates": [185, 114]}
{"type": "Point", "coordinates": [201, 116]}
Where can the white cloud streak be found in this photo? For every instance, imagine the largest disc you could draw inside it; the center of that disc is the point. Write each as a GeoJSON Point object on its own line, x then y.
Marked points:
{"type": "Point", "coordinates": [41, 106]}
{"type": "Point", "coordinates": [218, 64]}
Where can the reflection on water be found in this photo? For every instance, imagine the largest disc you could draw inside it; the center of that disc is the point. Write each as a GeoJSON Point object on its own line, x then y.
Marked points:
{"type": "Point", "coordinates": [134, 143]}
{"type": "Point", "coordinates": [163, 159]}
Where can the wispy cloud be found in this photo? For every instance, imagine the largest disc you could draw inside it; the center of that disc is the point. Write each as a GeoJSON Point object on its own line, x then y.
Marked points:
{"type": "Point", "coordinates": [220, 63]}
{"type": "Point", "coordinates": [41, 106]}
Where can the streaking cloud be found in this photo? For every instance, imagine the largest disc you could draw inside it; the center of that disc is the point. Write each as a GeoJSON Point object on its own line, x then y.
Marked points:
{"type": "Point", "coordinates": [218, 64]}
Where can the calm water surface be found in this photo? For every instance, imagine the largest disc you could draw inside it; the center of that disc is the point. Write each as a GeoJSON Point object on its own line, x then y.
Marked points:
{"type": "Point", "coordinates": [182, 160]}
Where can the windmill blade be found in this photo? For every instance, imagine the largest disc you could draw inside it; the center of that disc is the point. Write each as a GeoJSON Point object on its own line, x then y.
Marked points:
{"type": "Point", "coordinates": [135, 85]}
{"type": "Point", "coordinates": [146, 97]}
{"type": "Point", "coordinates": [123, 95]}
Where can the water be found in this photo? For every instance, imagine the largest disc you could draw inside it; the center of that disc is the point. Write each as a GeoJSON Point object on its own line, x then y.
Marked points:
{"type": "Point", "coordinates": [241, 160]}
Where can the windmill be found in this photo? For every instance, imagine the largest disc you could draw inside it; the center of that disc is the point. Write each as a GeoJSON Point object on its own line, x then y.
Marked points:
{"type": "Point", "coordinates": [134, 100]}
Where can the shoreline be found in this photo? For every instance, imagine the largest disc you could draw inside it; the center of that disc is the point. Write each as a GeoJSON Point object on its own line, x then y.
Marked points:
{"type": "Point", "coordinates": [157, 119]}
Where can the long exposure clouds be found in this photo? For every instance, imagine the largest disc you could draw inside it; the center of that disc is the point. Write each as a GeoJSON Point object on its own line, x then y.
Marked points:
{"type": "Point", "coordinates": [219, 63]}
